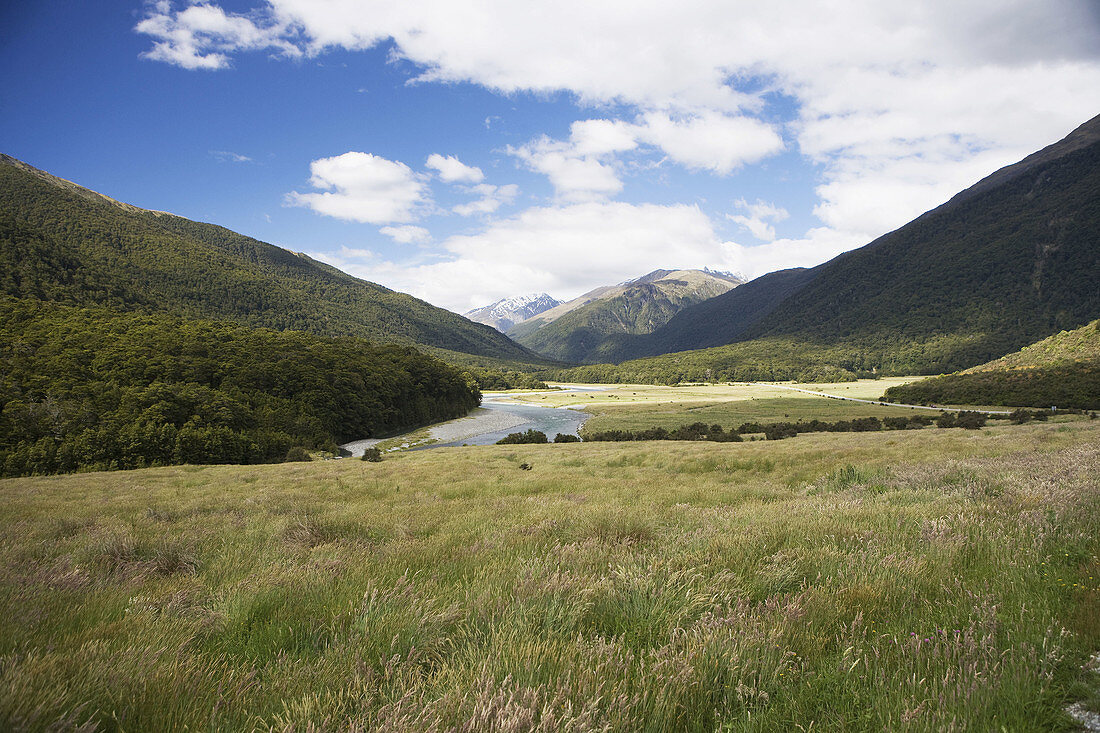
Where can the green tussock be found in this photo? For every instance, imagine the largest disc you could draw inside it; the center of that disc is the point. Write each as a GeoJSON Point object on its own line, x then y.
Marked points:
{"type": "Point", "coordinates": [911, 580]}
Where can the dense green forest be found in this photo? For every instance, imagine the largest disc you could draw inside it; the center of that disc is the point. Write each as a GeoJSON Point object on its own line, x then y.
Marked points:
{"type": "Point", "coordinates": [763, 360]}
{"type": "Point", "coordinates": [1076, 385]}
{"type": "Point", "coordinates": [1062, 370]}
{"type": "Point", "coordinates": [1007, 262]}
{"type": "Point", "coordinates": [64, 243]}
{"type": "Point", "coordinates": [93, 388]}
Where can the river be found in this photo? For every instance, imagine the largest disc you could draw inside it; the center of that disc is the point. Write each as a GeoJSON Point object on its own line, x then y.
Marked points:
{"type": "Point", "coordinates": [549, 420]}
{"type": "Point", "coordinates": [498, 416]}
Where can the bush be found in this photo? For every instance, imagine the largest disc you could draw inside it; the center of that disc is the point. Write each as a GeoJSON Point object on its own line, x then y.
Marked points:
{"type": "Point", "coordinates": [530, 436]}
{"type": "Point", "coordinates": [563, 438]}
{"type": "Point", "coordinates": [297, 453]}
{"type": "Point", "coordinates": [372, 455]}
{"type": "Point", "coordinates": [970, 420]}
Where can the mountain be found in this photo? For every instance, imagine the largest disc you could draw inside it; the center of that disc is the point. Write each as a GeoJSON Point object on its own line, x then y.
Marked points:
{"type": "Point", "coordinates": [1061, 370]}
{"type": "Point", "coordinates": [1010, 260]}
{"type": "Point", "coordinates": [506, 313]}
{"type": "Point", "coordinates": [713, 322]}
{"type": "Point", "coordinates": [65, 243]}
{"type": "Point", "coordinates": [576, 330]}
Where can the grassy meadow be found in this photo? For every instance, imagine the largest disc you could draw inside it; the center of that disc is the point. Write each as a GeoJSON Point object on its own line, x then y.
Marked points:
{"type": "Point", "coordinates": [641, 406]}
{"type": "Point", "coordinates": [935, 579]}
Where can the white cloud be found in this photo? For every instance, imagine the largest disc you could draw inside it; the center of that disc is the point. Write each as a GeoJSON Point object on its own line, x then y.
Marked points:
{"type": "Point", "coordinates": [492, 198]}
{"type": "Point", "coordinates": [407, 234]}
{"type": "Point", "coordinates": [228, 156]}
{"type": "Point", "coordinates": [709, 140]}
{"type": "Point", "coordinates": [202, 35]}
{"type": "Point", "coordinates": [601, 137]}
{"type": "Point", "coordinates": [759, 219]}
{"type": "Point", "coordinates": [574, 175]}
{"type": "Point", "coordinates": [452, 170]}
{"type": "Point", "coordinates": [585, 166]}
{"type": "Point", "coordinates": [363, 187]}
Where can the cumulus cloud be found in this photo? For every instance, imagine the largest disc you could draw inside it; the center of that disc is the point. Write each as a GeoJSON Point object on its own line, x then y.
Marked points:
{"type": "Point", "coordinates": [202, 35]}
{"type": "Point", "coordinates": [363, 187]}
{"type": "Point", "coordinates": [709, 140]}
{"type": "Point", "coordinates": [586, 167]}
{"type": "Point", "coordinates": [491, 199]}
{"type": "Point", "coordinates": [575, 176]}
{"type": "Point", "coordinates": [759, 218]}
{"type": "Point", "coordinates": [451, 170]}
{"type": "Point", "coordinates": [407, 234]}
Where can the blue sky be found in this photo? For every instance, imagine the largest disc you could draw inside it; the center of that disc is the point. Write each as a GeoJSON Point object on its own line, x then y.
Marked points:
{"type": "Point", "coordinates": [466, 151]}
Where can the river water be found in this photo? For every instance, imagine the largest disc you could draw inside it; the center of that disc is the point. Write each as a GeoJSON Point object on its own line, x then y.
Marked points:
{"type": "Point", "coordinates": [511, 417]}
{"type": "Point", "coordinates": [549, 420]}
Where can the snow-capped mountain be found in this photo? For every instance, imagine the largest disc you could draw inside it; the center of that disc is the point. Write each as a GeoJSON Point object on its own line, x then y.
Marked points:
{"type": "Point", "coordinates": [506, 313]}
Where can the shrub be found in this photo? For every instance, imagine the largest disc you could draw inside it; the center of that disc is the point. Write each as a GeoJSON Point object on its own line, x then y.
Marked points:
{"type": "Point", "coordinates": [530, 436]}
{"type": "Point", "coordinates": [564, 438]}
{"type": "Point", "coordinates": [372, 454]}
{"type": "Point", "coordinates": [970, 420]}
{"type": "Point", "coordinates": [297, 453]}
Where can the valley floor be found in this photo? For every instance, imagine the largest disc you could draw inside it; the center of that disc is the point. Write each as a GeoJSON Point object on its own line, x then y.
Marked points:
{"type": "Point", "coordinates": [632, 404]}
{"type": "Point", "coordinates": [935, 579]}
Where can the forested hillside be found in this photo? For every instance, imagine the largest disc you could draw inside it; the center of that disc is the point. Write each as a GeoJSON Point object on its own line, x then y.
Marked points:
{"type": "Point", "coordinates": [1063, 371]}
{"type": "Point", "coordinates": [65, 243]}
{"type": "Point", "coordinates": [93, 388]}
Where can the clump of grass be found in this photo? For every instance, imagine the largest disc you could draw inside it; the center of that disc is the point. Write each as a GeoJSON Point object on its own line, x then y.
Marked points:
{"type": "Point", "coordinates": [851, 478]}
{"type": "Point", "coordinates": [617, 527]}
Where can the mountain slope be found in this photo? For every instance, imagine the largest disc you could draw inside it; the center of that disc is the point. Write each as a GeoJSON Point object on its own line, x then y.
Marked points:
{"type": "Point", "coordinates": [92, 387]}
{"type": "Point", "coordinates": [1062, 370]}
{"type": "Point", "coordinates": [713, 322]}
{"type": "Point", "coordinates": [65, 243]}
{"type": "Point", "coordinates": [1012, 259]}
{"type": "Point", "coordinates": [507, 312]}
{"type": "Point", "coordinates": [575, 331]}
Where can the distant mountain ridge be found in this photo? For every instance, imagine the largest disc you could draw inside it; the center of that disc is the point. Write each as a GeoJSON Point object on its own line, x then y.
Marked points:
{"type": "Point", "coordinates": [507, 312]}
{"type": "Point", "coordinates": [1008, 261]}
{"type": "Point", "coordinates": [575, 330]}
{"type": "Point", "coordinates": [65, 243]}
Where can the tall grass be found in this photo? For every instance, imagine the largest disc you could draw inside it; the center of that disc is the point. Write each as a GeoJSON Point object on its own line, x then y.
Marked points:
{"type": "Point", "coordinates": [933, 580]}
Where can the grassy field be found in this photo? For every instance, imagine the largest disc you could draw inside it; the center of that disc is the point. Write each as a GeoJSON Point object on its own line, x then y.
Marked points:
{"type": "Point", "coordinates": [641, 406]}
{"type": "Point", "coordinates": [911, 580]}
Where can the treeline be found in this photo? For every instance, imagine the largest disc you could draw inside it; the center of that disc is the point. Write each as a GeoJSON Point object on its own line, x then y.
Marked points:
{"type": "Point", "coordinates": [766, 360]}
{"type": "Point", "coordinates": [776, 430]}
{"type": "Point", "coordinates": [495, 379]}
{"type": "Point", "coordinates": [1066, 386]}
{"type": "Point", "coordinates": [95, 389]}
